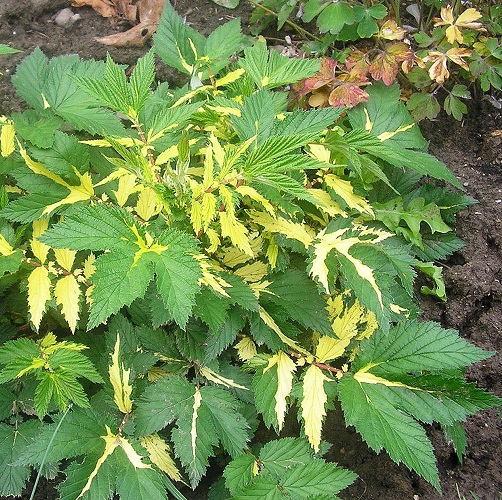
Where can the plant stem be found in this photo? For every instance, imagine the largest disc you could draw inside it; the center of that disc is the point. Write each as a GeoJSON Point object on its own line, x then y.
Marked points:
{"type": "Point", "coordinates": [295, 26]}
{"type": "Point", "coordinates": [32, 496]}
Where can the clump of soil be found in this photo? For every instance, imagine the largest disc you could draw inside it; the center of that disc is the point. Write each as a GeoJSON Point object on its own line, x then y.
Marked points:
{"type": "Point", "coordinates": [472, 150]}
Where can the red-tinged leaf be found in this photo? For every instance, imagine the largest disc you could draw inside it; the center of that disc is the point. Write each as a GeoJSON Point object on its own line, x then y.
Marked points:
{"type": "Point", "coordinates": [324, 76]}
{"type": "Point", "coordinates": [347, 95]}
{"type": "Point", "coordinates": [386, 64]}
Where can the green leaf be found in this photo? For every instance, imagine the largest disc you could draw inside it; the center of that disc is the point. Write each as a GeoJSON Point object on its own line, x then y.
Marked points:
{"type": "Point", "coordinates": [221, 44]}
{"type": "Point", "coordinates": [257, 117]}
{"type": "Point", "coordinates": [301, 122]}
{"type": "Point", "coordinates": [13, 440]}
{"type": "Point", "coordinates": [97, 227]}
{"type": "Point", "coordinates": [38, 127]}
{"type": "Point", "coordinates": [239, 473]}
{"type": "Point", "coordinates": [288, 470]}
{"type": "Point", "coordinates": [423, 105]}
{"type": "Point", "coordinates": [419, 161]}
{"type": "Point", "coordinates": [65, 154]}
{"type": "Point", "coordinates": [29, 79]}
{"type": "Point", "coordinates": [137, 483]}
{"type": "Point", "coordinates": [117, 282]}
{"type": "Point", "coordinates": [220, 339]}
{"type": "Point", "coordinates": [78, 473]}
{"type": "Point", "coordinates": [265, 387]}
{"type": "Point", "coordinates": [382, 425]}
{"type": "Point", "coordinates": [175, 41]}
{"type": "Point", "coordinates": [386, 117]}
{"type": "Point", "coordinates": [334, 17]}
{"type": "Point", "coordinates": [141, 81]}
{"type": "Point", "coordinates": [268, 69]}
{"type": "Point", "coordinates": [159, 404]}
{"type": "Point", "coordinates": [231, 427]}
{"type": "Point", "coordinates": [178, 274]}
{"type": "Point", "coordinates": [279, 455]}
{"type": "Point", "coordinates": [299, 296]}
{"type": "Point", "coordinates": [79, 434]}
{"type": "Point", "coordinates": [414, 346]}
{"type": "Point", "coordinates": [456, 434]}
{"type": "Point", "coordinates": [5, 49]}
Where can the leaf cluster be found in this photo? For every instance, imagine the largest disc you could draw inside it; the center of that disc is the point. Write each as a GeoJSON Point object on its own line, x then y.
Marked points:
{"type": "Point", "coordinates": [441, 54]}
{"type": "Point", "coordinates": [181, 267]}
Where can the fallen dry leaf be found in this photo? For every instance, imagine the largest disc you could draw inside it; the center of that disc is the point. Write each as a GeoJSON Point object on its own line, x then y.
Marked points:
{"type": "Point", "coordinates": [115, 9]}
{"type": "Point", "coordinates": [149, 16]}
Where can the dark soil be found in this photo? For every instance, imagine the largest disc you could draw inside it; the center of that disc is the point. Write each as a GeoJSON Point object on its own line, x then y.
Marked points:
{"type": "Point", "coordinates": [473, 275]}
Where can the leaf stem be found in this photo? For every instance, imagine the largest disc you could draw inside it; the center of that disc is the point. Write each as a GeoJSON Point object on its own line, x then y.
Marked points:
{"type": "Point", "coordinates": [322, 366]}
{"type": "Point", "coordinates": [56, 430]}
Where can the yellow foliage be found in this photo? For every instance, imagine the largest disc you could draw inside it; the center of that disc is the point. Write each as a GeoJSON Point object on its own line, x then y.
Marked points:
{"type": "Point", "coordinates": [313, 404]}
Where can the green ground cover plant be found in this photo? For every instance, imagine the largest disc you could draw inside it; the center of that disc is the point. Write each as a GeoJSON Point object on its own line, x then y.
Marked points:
{"type": "Point", "coordinates": [440, 51]}
{"type": "Point", "coordinates": [180, 268]}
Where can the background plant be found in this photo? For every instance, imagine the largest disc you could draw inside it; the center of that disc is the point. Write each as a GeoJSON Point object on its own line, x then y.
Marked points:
{"type": "Point", "coordinates": [181, 266]}
{"type": "Point", "coordinates": [439, 51]}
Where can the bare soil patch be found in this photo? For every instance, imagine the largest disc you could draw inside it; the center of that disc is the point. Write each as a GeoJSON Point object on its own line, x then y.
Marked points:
{"type": "Point", "coordinates": [473, 275]}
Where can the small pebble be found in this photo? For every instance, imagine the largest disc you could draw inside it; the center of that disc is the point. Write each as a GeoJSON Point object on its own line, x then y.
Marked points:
{"type": "Point", "coordinates": [66, 18]}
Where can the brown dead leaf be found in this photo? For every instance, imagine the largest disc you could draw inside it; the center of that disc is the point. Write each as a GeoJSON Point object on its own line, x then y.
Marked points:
{"type": "Point", "coordinates": [149, 16]}
{"type": "Point", "coordinates": [114, 9]}
{"type": "Point", "coordinates": [135, 37]}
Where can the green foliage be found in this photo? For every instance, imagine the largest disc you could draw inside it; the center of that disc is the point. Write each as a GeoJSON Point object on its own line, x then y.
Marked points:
{"type": "Point", "coordinates": [219, 260]}
{"type": "Point", "coordinates": [440, 46]}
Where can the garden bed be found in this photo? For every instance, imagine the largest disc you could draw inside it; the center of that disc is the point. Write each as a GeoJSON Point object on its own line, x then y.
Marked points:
{"type": "Point", "coordinates": [472, 150]}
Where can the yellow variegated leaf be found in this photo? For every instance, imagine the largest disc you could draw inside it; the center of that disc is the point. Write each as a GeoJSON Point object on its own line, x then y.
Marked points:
{"type": "Point", "coordinates": [119, 378]}
{"type": "Point", "coordinates": [197, 401]}
{"type": "Point", "coordinates": [364, 377]}
{"type": "Point", "coordinates": [256, 196]}
{"type": "Point", "coordinates": [158, 452]}
{"type": "Point", "coordinates": [225, 110]}
{"type": "Point", "coordinates": [269, 321]}
{"type": "Point", "coordinates": [253, 272]}
{"type": "Point", "coordinates": [128, 142]}
{"type": "Point", "coordinates": [84, 191]}
{"type": "Point", "coordinates": [39, 249]}
{"type": "Point", "coordinates": [327, 204]}
{"type": "Point", "coordinates": [89, 267]}
{"type": "Point", "coordinates": [112, 442]}
{"type": "Point", "coordinates": [208, 209]}
{"type": "Point", "coordinates": [388, 135]}
{"type": "Point", "coordinates": [230, 77]}
{"type": "Point", "coordinates": [67, 294]}
{"type": "Point", "coordinates": [320, 152]}
{"type": "Point", "coordinates": [5, 247]}
{"type": "Point", "coordinates": [246, 348]}
{"type": "Point", "coordinates": [349, 322]}
{"type": "Point", "coordinates": [166, 155]}
{"type": "Point", "coordinates": [219, 379]}
{"type": "Point", "coordinates": [285, 370]}
{"type": "Point", "coordinates": [272, 252]}
{"type": "Point", "coordinates": [330, 348]}
{"type": "Point", "coordinates": [148, 204]}
{"type": "Point", "coordinates": [196, 216]}
{"type": "Point", "coordinates": [219, 155]}
{"type": "Point", "coordinates": [126, 187]}
{"type": "Point", "coordinates": [7, 144]}
{"type": "Point", "coordinates": [283, 226]}
{"type": "Point", "coordinates": [65, 257]}
{"type": "Point", "coordinates": [39, 292]}
{"type": "Point", "coordinates": [313, 404]}
{"type": "Point", "coordinates": [214, 281]}
{"type": "Point", "coordinates": [345, 190]}
{"type": "Point", "coordinates": [214, 240]}
{"type": "Point", "coordinates": [335, 241]}
{"type": "Point", "coordinates": [236, 231]}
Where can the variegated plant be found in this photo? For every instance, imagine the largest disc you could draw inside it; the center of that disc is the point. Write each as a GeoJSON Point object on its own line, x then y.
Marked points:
{"type": "Point", "coordinates": [218, 259]}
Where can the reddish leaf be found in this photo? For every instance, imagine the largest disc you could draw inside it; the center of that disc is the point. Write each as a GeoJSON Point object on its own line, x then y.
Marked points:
{"type": "Point", "coordinates": [386, 64]}
{"type": "Point", "coordinates": [347, 95]}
